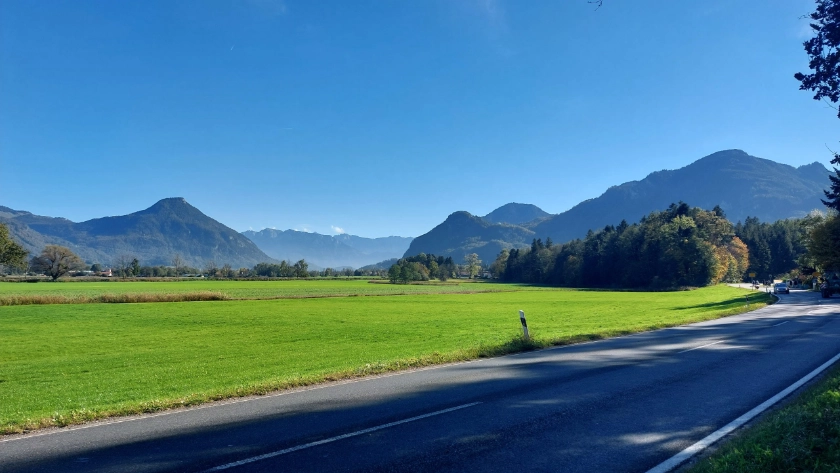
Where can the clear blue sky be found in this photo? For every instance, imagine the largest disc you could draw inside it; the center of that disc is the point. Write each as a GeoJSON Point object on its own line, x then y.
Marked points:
{"type": "Point", "coordinates": [381, 118]}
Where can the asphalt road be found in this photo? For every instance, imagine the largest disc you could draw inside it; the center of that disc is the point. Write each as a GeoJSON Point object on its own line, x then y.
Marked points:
{"type": "Point", "coordinates": [624, 404]}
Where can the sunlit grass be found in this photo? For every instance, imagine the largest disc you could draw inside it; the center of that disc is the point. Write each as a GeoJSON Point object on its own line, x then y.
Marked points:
{"type": "Point", "coordinates": [63, 364]}
{"type": "Point", "coordinates": [294, 288]}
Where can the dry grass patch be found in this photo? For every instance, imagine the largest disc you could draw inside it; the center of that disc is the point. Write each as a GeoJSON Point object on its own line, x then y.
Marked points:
{"type": "Point", "coordinates": [108, 298]}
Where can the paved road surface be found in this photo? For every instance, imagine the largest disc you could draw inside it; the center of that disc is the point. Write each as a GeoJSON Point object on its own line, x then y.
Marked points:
{"type": "Point", "coordinates": [624, 404]}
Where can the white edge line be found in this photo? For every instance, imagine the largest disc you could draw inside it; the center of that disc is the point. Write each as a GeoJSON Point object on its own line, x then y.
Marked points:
{"type": "Point", "coordinates": [689, 452]}
{"type": "Point", "coordinates": [704, 346]}
{"type": "Point", "coordinates": [786, 321]}
{"type": "Point", "coordinates": [333, 439]}
{"type": "Point", "coordinates": [229, 401]}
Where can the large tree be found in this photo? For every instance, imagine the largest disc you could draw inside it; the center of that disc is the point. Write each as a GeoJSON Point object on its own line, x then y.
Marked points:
{"type": "Point", "coordinates": [473, 264]}
{"type": "Point", "coordinates": [824, 244]}
{"type": "Point", "coordinates": [178, 263]}
{"type": "Point", "coordinates": [11, 254]}
{"type": "Point", "coordinates": [824, 80]}
{"type": "Point", "coordinates": [56, 261]}
{"type": "Point", "coordinates": [824, 53]}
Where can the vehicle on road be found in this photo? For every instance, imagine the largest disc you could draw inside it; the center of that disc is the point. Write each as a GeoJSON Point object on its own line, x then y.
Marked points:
{"type": "Point", "coordinates": [830, 284]}
{"type": "Point", "coordinates": [781, 288]}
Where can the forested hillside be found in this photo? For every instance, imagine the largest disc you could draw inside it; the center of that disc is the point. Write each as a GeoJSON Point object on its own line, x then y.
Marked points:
{"type": "Point", "coordinates": [463, 233]}
{"type": "Point", "coordinates": [742, 185]}
{"type": "Point", "coordinates": [681, 246]}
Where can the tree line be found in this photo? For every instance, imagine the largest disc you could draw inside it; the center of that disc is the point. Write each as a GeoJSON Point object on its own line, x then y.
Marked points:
{"type": "Point", "coordinates": [681, 246]}
{"type": "Point", "coordinates": [777, 248]}
{"type": "Point", "coordinates": [678, 247]}
{"type": "Point", "coordinates": [422, 267]}
{"type": "Point", "coordinates": [57, 261]}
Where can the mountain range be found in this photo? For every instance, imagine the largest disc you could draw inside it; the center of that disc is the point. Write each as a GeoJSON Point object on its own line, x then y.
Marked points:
{"type": "Point", "coordinates": [154, 236]}
{"type": "Point", "coordinates": [742, 185]}
{"type": "Point", "coordinates": [328, 251]}
{"type": "Point", "coordinates": [174, 227]}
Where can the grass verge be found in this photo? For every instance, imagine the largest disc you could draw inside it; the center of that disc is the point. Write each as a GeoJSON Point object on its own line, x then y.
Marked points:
{"type": "Point", "coordinates": [65, 364]}
{"type": "Point", "coordinates": [802, 436]}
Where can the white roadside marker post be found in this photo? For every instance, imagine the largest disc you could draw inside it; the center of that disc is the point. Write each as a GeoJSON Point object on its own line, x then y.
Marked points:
{"type": "Point", "coordinates": [524, 324]}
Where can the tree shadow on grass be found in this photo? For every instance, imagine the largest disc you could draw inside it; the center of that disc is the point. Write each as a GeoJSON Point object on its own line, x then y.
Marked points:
{"type": "Point", "coordinates": [732, 303]}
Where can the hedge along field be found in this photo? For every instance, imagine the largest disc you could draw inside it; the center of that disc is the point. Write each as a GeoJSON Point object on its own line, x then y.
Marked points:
{"type": "Point", "coordinates": [11, 293]}
{"type": "Point", "coordinates": [64, 364]}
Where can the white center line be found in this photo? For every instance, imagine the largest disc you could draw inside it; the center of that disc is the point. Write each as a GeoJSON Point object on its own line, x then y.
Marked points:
{"type": "Point", "coordinates": [786, 321]}
{"type": "Point", "coordinates": [704, 346]}
{"type": "Point", "coordinates": [333, 439]}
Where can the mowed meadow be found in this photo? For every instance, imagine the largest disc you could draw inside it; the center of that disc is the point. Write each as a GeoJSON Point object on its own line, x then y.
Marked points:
{"type": "Point", "coordinates": [65, 363]}
{"type": "Point", "coordinates": [24, 293]}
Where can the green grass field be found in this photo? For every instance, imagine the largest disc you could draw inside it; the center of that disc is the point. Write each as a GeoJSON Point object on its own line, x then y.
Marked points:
{"type": "Point", "coordinates": [293, 288]}
{"type": "Point", "coordinates": [68, 363]}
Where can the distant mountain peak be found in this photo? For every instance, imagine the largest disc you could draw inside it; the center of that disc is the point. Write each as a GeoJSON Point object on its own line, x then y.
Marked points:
{"type": "Point", "coordinates": [740, 183]}
{"type": "Point", "coordinates": [460, 215]}
{"type": "Point", "coordinates": [154, 235]}
{"type": "Point", "coordinates": [324, 251]}
{"type": "Point", "coordinates": [816, 165]}
{"type": "Point", "coordinates": [172, 202]}
{"type": "Point", "coordinates": [743, 185]}
{"type": "Point", "coordinates": [463, 233]}
{"type": "Point", "coordinates": [727, 152]}
{"type": "Point", "coordinates": [175, 206]}
{"type": "Point", "coordinates": [516, 214]}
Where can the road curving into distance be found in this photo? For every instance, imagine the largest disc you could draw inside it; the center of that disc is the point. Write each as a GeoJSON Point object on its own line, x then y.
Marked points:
{"type": "Point", "coordinates": [624, 404]}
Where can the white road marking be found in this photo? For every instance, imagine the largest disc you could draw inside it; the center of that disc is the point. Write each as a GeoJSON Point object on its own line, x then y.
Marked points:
{"type": "Point", "coordinates": [704, 346]}
{"type": "Point", "coordinates": [786, 321]}
{"type": "Point", "coordinates": [334, 439]}
{"type": "Point", "coordinates": [235, 400]}
{"type": "Point", "coordinates": [689, 452]}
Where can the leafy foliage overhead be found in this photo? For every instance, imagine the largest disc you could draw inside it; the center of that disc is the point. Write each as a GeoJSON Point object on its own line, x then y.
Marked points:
{"type": "Point", "coordinates": [823, 53]}
{"type": "Point", "coordinates": [11, 253]}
